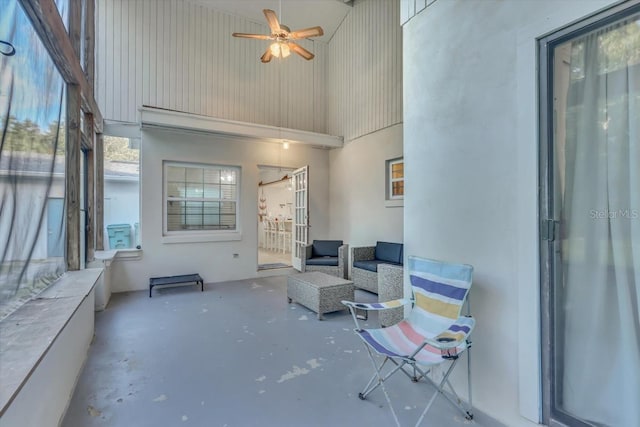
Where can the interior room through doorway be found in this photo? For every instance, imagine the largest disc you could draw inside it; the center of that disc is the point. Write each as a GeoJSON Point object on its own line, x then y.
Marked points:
{"type": "Point", "coordinates": [275, 213]}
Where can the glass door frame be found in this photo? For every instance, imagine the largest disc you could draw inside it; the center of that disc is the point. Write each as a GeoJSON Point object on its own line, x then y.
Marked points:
{"type": "Point", "coordinates": [548, 214]}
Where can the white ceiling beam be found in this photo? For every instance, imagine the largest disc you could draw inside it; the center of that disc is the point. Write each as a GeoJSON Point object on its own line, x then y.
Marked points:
{"type": "Point", "coordinates": [157, 118]}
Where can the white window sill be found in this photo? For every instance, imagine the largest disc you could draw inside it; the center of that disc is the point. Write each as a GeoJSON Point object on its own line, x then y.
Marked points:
{"type": "Point", "coordinates": [124, 254]}
{"type": "Point", "coordinates": [105, 258]}
{"type": "Point", "coordinates": [202, 238]}
{"type": "Point", "coordinates": [395, 203]}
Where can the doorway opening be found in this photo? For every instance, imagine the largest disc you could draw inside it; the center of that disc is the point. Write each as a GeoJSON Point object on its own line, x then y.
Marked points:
{"type": "Point", "coordinates": [275, 215]}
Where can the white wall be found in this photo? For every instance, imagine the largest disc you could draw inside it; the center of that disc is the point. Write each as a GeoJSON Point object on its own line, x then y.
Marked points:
{"type": "Point", "coordinates": [214, 261]}
{"type": "Point", "coordinates": [358, 212]}
{"type": "Point", "coordinates": [470, 152]}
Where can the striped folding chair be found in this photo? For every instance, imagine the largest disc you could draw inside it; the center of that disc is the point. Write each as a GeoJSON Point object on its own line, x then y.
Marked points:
{"type": "Point", "coordinates": [433, 334]}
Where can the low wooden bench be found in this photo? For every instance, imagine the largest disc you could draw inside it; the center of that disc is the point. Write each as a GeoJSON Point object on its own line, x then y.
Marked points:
{"type": "Point", "coordinates": [174, 280]}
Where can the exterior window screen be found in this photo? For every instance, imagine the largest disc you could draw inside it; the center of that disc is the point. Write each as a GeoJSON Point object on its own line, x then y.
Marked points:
{"type": "Point", "coordinates": [201, 197]}
{"type": "Point", "coordinates": [32, 163]}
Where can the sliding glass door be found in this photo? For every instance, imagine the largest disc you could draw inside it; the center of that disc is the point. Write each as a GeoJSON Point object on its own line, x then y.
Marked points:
{"type": "Point", "coordinates": [590, 228]}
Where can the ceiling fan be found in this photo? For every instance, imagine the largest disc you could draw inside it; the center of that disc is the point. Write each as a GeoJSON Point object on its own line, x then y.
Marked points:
{"type": "Point", "coordinates": [283, 38]}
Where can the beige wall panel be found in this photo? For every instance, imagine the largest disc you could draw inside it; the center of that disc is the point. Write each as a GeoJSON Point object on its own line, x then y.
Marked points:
{"type": "Point", "coordinates": [364, 71]}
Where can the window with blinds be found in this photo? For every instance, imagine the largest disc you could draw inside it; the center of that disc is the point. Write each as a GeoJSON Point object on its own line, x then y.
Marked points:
{"type": "Point", "coordinates": [200, 197]}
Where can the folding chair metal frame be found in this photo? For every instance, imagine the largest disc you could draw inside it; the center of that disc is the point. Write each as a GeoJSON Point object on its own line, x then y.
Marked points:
{"type": "Point", "coordinates": [450, 345]}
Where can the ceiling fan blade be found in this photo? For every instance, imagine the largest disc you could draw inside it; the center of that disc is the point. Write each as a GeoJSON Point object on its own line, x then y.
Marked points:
{"type": "Point", "coordinates": [272, 20]}
{"type": "Point", "coordinates": [252, 36]}
{"type": "Point", "coordinates": [300, 51]}
{"type": "Point", "coordinates": [307, 32]}
{"type": "Point", "coordinates": [266, 56]}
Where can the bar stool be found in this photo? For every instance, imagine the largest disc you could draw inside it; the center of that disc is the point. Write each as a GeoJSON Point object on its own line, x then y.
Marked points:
{"type": "Point", "coordinates": [271, 233]}
{"type": "Point", "coordinates": [265, 233]}
{"type": "Point", "coordinates": [284, 236]}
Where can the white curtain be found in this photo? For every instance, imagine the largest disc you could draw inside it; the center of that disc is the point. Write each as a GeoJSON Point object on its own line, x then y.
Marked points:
{"type": "Point", "coordinates": [597, 322]}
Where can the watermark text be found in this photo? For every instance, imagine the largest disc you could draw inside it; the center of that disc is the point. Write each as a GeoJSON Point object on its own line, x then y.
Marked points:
{"type": "Point", "coordinates": [614, 214]}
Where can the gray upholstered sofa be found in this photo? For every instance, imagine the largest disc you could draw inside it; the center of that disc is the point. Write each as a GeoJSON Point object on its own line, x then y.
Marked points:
{"type": "Point", "coordinates": [327, 256]}
{"type": "Point", "coordinates": [365, 261]}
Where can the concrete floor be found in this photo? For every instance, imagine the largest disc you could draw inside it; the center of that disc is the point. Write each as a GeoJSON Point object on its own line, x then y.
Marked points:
{"type": "Point", "coordinates": [266, 256]}
{"type": "Point", "coordinates": [235, 355]}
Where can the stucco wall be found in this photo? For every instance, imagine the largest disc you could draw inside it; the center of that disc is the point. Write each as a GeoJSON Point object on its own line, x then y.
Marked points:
{"type": "Point", "coordinates": [213, 260]}
{"type": "Point", "coordinates": [358, 213]}
{"type": "Point", "coordinates": [470, 151]}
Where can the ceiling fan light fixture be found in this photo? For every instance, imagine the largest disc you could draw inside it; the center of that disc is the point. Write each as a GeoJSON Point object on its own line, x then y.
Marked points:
{"type": "Point", "coordinates": [280, 49]}
{"type": "Point", "coordinates": [275, 49]}
{"type": "Point", "coordinates": [284, 50]}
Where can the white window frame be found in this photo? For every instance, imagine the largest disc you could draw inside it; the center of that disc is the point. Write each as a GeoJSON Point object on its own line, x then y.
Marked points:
{"type": "Point", "coordinates": [390, 199]}
{"type": "Point", "coordinates": [187, 236]}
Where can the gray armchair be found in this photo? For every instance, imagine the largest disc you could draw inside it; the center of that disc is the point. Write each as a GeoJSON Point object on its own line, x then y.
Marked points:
{"type": "Point", "coordinates": [365, 261]}
{"type": "Point", "coordinates": [326, 256]}
{"type": "Point", "coordinates": [390, 287]}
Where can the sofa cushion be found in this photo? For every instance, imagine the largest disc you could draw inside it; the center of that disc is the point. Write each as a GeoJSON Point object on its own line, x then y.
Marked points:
{"type": "Point", "coordinates": [322, 248]}
{"type": "Point", "coordinates": [389, 252]}
{"type": "Point", "coordinates": [372, 265]}
{"type": "Point", "coordinates": [331, 261]}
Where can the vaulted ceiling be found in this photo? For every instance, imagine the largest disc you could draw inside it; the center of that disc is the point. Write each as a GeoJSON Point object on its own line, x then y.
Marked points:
{"type": "Point", "coordinates": [296, 14]}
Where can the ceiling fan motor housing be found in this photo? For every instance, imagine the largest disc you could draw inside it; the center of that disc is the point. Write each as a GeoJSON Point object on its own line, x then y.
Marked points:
{"type": "Point", "coordinates": [284, 34]}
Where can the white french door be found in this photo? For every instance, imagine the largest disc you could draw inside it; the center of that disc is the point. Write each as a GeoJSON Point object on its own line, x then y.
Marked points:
{"type": "Point", "coordinates": [300, 233]}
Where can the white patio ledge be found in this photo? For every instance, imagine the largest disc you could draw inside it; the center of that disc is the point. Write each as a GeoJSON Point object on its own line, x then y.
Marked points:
{"type": "Point", "coordinates": [29, 336]}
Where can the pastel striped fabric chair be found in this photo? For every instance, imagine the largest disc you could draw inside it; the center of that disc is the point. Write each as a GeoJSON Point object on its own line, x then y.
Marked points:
{"type": "Point", "coordinates": [434, 333]}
